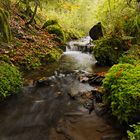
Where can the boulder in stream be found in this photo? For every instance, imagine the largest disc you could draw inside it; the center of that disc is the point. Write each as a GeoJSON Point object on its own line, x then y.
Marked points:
{"type": "Point", "coordinates": [96, 31]}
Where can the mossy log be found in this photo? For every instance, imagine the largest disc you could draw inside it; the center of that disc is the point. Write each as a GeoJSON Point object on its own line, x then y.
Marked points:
{"type": "Point", "coordinates": [4, 26]}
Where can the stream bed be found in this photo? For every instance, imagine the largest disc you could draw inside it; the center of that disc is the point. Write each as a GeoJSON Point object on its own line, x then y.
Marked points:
{"type": "Point", "coordinates": [54, 104]}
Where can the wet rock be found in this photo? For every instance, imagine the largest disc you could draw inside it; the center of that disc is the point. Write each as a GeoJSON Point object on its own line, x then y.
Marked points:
{"type": "Point", "coordinates": [73, 94]}
{"type": "Point", "coordinates": [86, 95]}
{"type": "Point", "coordinates": [112, 137]}
{"type": "Point", "coordinates": [96, 31]}
{"type": "Point", "coordinates": [98, 93]}
{"type": "Point", "coordinates": [96, 80]}
{"type": "Point", "coordinates": [42, 83]}
{"type": "Point", "coordinates": [58, 94]}
{"type": "Point", "coordinates": [89, 105]}
{"type": "Point", "coordinates": [103, 128]}
{"type": "Point", "coordinates": [83, 79]}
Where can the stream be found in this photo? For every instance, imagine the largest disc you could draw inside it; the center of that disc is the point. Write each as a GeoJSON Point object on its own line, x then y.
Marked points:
{"type": "Point", "coordinates": [54, 104]}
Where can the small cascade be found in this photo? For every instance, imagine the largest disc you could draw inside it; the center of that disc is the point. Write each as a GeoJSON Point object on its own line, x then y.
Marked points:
{"type": "Point", "coordinates": [83, 45]}
{"type": "Point", "coordinates": [78, 56]}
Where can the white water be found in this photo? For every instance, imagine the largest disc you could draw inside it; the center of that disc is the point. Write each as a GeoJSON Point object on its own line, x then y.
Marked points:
{"type": "Point", "coordinates": [74, 59]}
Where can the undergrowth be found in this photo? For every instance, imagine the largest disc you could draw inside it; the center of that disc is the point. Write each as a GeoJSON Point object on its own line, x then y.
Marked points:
{"type": "Point", "coordinates": [10, 80]}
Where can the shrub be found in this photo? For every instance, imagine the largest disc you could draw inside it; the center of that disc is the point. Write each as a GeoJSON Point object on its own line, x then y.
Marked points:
{"type": "Point", "coordinates": [55, 29]}
{"type": "Point", "coordinates": [131, 25]}
{"type": "Point", "coordinates": [108, 50]}
{"type": "Point", "coordinates": [122, 85]}
{"type": "Point", "coordinates": [10, 80]}
{"type": "Point", "coordinates": [135, 135]}
{"type": "Point", "coordinates": [132, 56]}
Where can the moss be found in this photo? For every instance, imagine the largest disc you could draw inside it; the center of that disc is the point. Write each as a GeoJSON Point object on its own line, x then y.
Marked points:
{"type": "Point", "coordinates": [4, 26]}
{"type": "Point", "coordinates": [50, 22]}
{"type": "Point", "coordinates": [10, 80]}
{"type": "Point", "coordinates": [55, 29]}
{"type": "Point", "coordinates": [108, 50]}
{"type": "Point", "coordinates": [122, 85]}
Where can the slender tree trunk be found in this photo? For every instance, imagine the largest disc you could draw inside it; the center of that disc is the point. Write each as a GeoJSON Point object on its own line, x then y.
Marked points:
{"type": "Point", "coordinates": [33, 16]}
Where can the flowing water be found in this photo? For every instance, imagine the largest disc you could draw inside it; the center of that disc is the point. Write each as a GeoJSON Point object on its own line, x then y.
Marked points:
{"type": "Point", "coordinates": [46, 111]}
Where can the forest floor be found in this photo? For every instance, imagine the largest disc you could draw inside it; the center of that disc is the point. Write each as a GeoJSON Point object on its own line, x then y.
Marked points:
{"type": "Point", "coordinates": [31, 45]}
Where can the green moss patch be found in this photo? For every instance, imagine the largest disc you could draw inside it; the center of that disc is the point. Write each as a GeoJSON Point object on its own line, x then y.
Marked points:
{"type": "Point", "coordinates": [122, 85]}
{"type": "Point", "coordinates": [10, 80]}
{"type": "Point", "coordinates": [50, 22]}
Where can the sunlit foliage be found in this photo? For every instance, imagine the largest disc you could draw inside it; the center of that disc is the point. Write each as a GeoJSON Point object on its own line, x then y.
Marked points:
{"type": "Point", "coordinates": [120, 17]}
{"type": "Point", "coordinates": [75, 16]}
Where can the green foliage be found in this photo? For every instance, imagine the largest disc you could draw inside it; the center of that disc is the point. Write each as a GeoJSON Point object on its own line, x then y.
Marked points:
{"type": "Point", "coordinates": [120, 17]}
{"type": "Point", "coordinates": [4, 26]}
{"type": "Point", "coordinates": [10, 80]}
{"type": "Point", "coordinates": [57, 30]}
{"type": "Point", "coordinates": [108, 50]}
{"type": "Point", "coordinates": [73, 34]}
{"type": "Point", "coordinates": [122, 85]}
{"type": "Point", "coordinates": [132, 56]}
{"type": "Point", "coordinates": [31, 62]}
{"type": "Point", "coordinates": [39, 56]}
{"type": "Point", "coordinates": [75, 16]}
{"type": "Point", "coordinates": [5, 58]}
{"type": "Point", "coordinates": [135, 135]}
{"type": "Point", "coordinates": [131, 25]}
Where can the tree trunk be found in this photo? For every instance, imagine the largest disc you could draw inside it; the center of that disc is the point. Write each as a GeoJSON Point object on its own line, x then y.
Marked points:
{"type": "Point", "coordinates": [33, 16]}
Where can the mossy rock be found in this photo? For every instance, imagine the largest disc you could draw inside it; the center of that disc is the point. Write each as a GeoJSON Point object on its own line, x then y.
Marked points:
{"type": "Point", "coordinates": [50, 22]}
{"type": "Point", "coordinates": [10, 80]}
{"type": "Point", "coordinates": [108, 50]}
{"type": "Point", "coordinates": [122, 84]}
{"type": "Point", "coordinates": [55, 29]}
